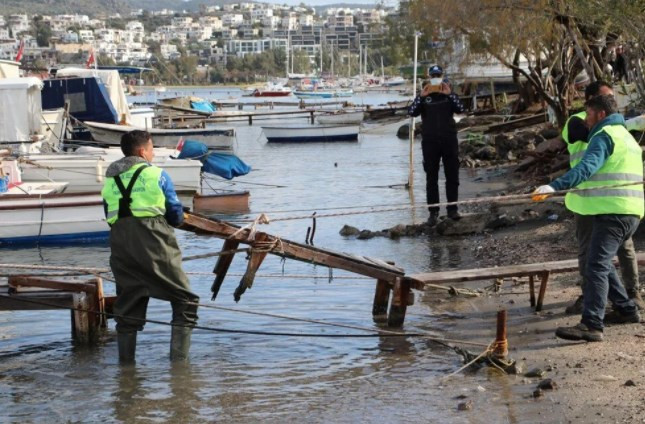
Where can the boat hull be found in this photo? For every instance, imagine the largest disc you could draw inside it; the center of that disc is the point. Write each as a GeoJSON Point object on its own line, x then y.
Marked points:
{"type": "Point", "coordinates": [348, 118]}
{"type": "Point", "coordinates": [52, 219]}
{"type": "Point", "coordinates": [271, 93]}
{"type": "Point", "coordinates": [214, 139]}
{"type": "Point", "coordinates": [223, 203]}
{"type": "Point", "coordinates": [311, 134]}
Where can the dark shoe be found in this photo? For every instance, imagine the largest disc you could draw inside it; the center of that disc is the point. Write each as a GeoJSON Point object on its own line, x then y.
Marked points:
{"type": "Point", "coordinates": [615, 317]}
{"type": "Point", "coordinates": [127, 343]}
{"type": "Point", "coordinates": [576, 307]}
{"type": "Point", "coordinates": [180, 343]}
{"type": "Point", "coordinates": [636, 297]}
{"type": "Point", "coordinates": [454, 215]}
{"type": "Point", "coordinates": [579, 332]}
{"type": "Point", "coordinates": [433, 219]}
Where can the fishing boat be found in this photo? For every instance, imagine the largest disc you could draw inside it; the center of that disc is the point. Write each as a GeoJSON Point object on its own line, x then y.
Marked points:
{"type": "Point", "coordinates": [40, 212]}
{"type": "Point", "coordinates": [271, 90]}
{"type": "Point", "coordinates": [393, 82]}
{"type": "Point", "coordinates": [322, 94]}
{"type": "Point", "coordinates": [213, 138]}
{"type": "Point", "coordinates": [304, 134]}
{"type": "Point", "coordinates": [222, 202]}
{"type": "Point", "coordinates": [84, 169]}
{"type": "Point", "coordinates": [341, 117]}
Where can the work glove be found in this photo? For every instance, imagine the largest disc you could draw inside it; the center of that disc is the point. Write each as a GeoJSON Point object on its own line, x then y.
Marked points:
{"type": "Point", "coordinates": [542, 192]}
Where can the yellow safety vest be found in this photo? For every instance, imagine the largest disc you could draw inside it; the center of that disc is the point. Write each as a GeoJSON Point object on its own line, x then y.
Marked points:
{"type": "Point", "coordinates": [576, 148]}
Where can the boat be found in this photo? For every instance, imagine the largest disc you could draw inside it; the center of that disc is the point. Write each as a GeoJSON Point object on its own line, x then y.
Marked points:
{"type": "Point", "coordinates": [222, 202]}
{"type": "Point", "coordinates": [21, 116]}
{"type": "Point", "coordinates": [393, 82]}
{"type": "Point", "coordinates": [84, 169]}
{"type": "Point", "coordinates": [271, 90]}
{"type": "Point", "coordinates": [341, 117]}
{"type": "Point", "coordinates": [303, 134]}
{"type": "Point", "coordinates": [322, 94]}
{"type": "Point", "coordinates": [214, 138]}
{"type": "Point", "coordinates": [40, 212]}
{"type": "Point", "coordinates": [9, 69]}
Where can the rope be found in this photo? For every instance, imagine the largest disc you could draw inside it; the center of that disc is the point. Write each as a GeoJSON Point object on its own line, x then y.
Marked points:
{"type": "Point", "coordinates": [221, 329]}
{"type": "Point", "coordinates": [488, 350]}
{"type": "Point", "coordinates": [490, 199]}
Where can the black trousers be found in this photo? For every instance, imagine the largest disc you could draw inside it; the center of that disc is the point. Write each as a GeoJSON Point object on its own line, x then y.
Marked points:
{"type": "Point", "coordinates": [436, 151]}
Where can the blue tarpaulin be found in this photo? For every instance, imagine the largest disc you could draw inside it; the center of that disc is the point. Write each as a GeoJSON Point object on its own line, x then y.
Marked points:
{"type": "Point", "coordinates": [222, 164]}
{"type": "Point", "coordinates": [203, 106]}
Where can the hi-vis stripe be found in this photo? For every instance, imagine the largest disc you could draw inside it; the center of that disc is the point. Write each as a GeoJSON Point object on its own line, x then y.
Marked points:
{"type": "Point", "coordinates": [609, 192]}
{"type": "Point", "coordinates": [616, 177]}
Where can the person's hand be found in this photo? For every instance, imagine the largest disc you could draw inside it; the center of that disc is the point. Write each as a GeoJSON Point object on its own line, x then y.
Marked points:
{"type": "Point", "coordinates": [426, 91]}
{"type": "Point", "coordinates": [541, 193]}
{"type": "Point", "coordinates": [445, 88]}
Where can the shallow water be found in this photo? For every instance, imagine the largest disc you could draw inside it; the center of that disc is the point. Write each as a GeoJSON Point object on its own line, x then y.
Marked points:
{"type": "Point", "coordinates": [251, 378]}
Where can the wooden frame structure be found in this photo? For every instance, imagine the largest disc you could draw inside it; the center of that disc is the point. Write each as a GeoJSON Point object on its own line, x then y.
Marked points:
{"type": "Point", "coordinates": [390, 280]}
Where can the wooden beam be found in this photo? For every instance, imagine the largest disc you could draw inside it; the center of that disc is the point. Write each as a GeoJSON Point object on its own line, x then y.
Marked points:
{"type": "Point", "coordinates": [399, 304]}
{"type": "Point", "coordinates": [255, 260]}
{"type": "Point", "coordinates": [292, 250]}
{"type": "Point", "coordinates": [532, 290]}
{"type": "Point", "coordinates": [222, 265]}
{"type": "Point", "coordinates": [381, 301]}
{"type": "Point", "coordinates": [540, 300]}
{"type": "Point", "coordinates": [16, 282]}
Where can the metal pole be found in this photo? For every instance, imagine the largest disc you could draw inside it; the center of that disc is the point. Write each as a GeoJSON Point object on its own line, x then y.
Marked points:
{"type": "Point", "coordinates": [412, 118]}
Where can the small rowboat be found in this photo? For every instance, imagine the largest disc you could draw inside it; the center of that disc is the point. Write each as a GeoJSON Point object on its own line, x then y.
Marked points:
{"type": "Point", "coordinates": [341, 118]}
{"type": "Point", "coordinates": [321, 133]}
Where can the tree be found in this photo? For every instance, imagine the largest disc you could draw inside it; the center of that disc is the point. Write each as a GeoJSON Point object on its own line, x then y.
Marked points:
{"type": "Point", "coordinates": [41, 31]}
{"type": "Point", "coordinates": [556, 39]}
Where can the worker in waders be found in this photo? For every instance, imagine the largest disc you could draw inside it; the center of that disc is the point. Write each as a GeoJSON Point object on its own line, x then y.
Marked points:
{"type": "Point", "coordinates": [575, 134]}
{"type": "Point", "coordinates": [141, 207]}
{"type": "Point", "coordinates": [437, 104]}
{"type": "Point", "coordinates": [610, 163]}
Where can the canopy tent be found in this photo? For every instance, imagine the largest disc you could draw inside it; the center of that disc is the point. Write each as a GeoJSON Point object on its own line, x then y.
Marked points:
{"type": "Point", "coordinates": [88, 98]}
{"type": "Point", "coordinates": [113, 84]}
{"type": "Point", "coordinates": [22, 108]}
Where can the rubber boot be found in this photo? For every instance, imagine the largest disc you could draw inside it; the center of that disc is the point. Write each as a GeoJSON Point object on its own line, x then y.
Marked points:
{"type": "Point", "coordinates": [180, 343]}
{"type": "Point", "coordinates": [127, 347]}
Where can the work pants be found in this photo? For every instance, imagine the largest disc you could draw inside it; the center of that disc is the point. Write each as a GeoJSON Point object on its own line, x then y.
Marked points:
{"type": "Point", "coordinates": [436, 151]}
{"type": "Point", "coordinates": [146, 262]}
{"type": "Point", "coordinates": [626, 253]}
{"type": "Point", "coordinates": [601, 279]}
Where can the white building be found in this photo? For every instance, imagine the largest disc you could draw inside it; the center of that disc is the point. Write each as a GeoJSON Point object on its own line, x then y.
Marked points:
{"type": "Point", "coordinates": [306, 20]}
{"type": "Point", "coordinates": [169, 51]}
{"type": "Point", "coordinates": [259, 14]}
{"type": "Point", "coordinates": [340, 20]}
{"type": "Point", "coordinates": [243, 47]}
{"type": "Point", "coordinates": [18, 23]}
{"type": "Point", "coordinates": [232, 19]}
{"type": "Point", "coordinates": [182, 21]}
{"type": "Point", "coordinates": [213, 22]}
{"type": "Point", "coordinates": [86, 35]}
{"type": "Point", "coordinates": [289, 23]}
{"type": "Point", "coordinates": [70, 37]}
{"type": "Point", "coordinates": [271, 22]}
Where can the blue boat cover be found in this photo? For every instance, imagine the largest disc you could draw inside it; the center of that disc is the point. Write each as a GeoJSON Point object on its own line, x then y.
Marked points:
{"type": "Point", "coordinates": [88, 98]}
{"type": "Point", "coordinates": [203, 106]}
{"type": "Point", "coordinates": [222, 164]}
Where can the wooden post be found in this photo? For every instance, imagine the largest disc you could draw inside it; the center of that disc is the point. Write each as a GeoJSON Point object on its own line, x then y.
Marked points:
{"type": "Point", "coordinates": [82, 331]}
{"type": "Point", "coordinates": [312, 117]}
{"type": "Point", "coordinates": [545, 280]}
{"type": "Point", "coordinates": [256, 257]}
{"type": "Point", "coordinates": [250, 119]}
{"type": "Point", "coordinates": [501, 343]}
{"type": "Point", "coordinates": [532, 290]}
{"type": "Point", "coordinates": [381, 301]}
{"type": "Point", "coordinates": [492, 95]}
{"type": "Point", "coordinates": [399, 304]}
{"type": "Point", "coordinates": [222, 265]}
{"type": "Point", "coordinates": [100, 302]}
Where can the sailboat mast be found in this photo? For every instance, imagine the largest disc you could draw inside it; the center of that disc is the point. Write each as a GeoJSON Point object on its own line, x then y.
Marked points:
{"type": "Point", "coordinates": [331, 46]}
{"type": "Point", "coordinates": [382, 71]}
{"type": "Point", "coordinates": [360, 62]}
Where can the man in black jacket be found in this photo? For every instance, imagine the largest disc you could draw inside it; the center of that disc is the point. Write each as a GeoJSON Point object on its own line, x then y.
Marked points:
{"type": "Point", "coordinates": [437, 104]}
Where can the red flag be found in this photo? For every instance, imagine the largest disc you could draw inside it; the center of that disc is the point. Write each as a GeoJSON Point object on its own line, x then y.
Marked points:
{"type": "Point", "coordinates": [180, 145]}
{"type": "Point", "coordinates": [90, 60]}
{"type": "Point", "coordinates": [21, 50]}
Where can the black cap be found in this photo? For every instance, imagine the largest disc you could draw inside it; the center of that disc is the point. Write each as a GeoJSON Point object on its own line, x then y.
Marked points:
{"type": "Point", "coordinates": [435, 70]}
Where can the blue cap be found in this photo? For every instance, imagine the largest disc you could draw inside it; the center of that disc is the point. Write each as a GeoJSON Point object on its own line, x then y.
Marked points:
{"type": "Point", "coordinates": [435, 70]}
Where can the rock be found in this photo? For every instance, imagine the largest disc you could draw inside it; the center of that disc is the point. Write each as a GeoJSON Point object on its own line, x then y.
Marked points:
{"type": "Point", "coordinates": [547, 384]}
{"type": "Point", "coordinates": [365, 235]}
{"type": "Point", "coordinates": [348, 231]}
{"type": "Point", "coordinates": [630, 383]}
{"type": "Point", "coordinates": [461, 397]}
{"type": "Point", "coordinates": [501, 221]}
{"type": "Point", "coordinates": [535, 372]}
{"type": "Point", "coordinates": [553, 217]}
{"type": "Point", "coordinates": [468, 224]}
{"type": "Point", "coordinates": [465, 406]}
{"type": "Point", "coordinates": [486, 153]}
{"type": "Point", "coordinates": [538, 393]}
{"type": "Point", "coordinates": [504, 144]}
{"type": "Point", "coordinates": [468, 162]}
{"type": "Point", "coordinates": [605, 378]}
{"type": "Point", "coordinates": [404, 130]}
{"type": "Point", "coordinates": [397, 231]}
{"type": "Point", "coordinates": [538, 139]}
{"type": "Point", "coordinates": [549, 133]}
{"type": "Point", "coordinates": [524, 138]}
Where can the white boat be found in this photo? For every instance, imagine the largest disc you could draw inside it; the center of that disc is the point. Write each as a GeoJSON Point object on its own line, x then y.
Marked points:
{"type": "Point", "coordinates": [85, 168]}
{"type": "Point", "coordinates": [393, 82]}
{"type": "Point", "coordinates": [303, 134]}
{"type": "Point", "coordinates": [214, 138]}
{"type": "Point", "coordinates": [39, 213]}
{"type": "Point", "coordinates": [341, 118]}
{"type": "Point", "coordinates": [9, 69]}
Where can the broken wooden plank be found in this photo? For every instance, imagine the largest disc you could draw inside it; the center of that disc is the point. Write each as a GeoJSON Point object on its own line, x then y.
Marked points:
{"type": "Point", "coordinates": [381, 301]}
{"type": "Point", "coordinates": [255, 260]}
{"type": "Point", "coordinates": [222, 265]}
{"type": "Point", "coordinates": [518, 123]}
{"type": "Point", "coordinates": [16, 282]}
{"type": "Point", "coordinates": [399, 304]}
{"type": "Point", "coordinates": [292, 250]}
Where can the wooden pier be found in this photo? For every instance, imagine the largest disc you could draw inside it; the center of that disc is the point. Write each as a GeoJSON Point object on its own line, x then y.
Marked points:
{"type": "Point", "coordinates": [82, 297]}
